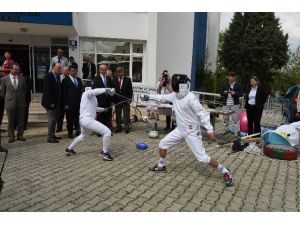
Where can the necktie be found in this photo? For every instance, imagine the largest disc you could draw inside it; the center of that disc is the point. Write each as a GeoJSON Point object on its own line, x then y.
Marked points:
{"type": "Point", "coordinates": [58, 79]}
{"type": "Point", "coordinates": [58, 59]}
{"type": "Point", "coordinates": [75, 82]}
{"type": "Point", "coordinates": [15, 82]}
{"type": "Point", "coordinates": [105, 82]}
{"type": "Point", "coordinates": [120, 80]}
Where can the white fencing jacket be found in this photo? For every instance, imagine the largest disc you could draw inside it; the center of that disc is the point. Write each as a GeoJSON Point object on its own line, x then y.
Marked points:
{"type": "Point", "coordinates": [89, 103]}
{"type": "Point", "coordinates": [189, 112]}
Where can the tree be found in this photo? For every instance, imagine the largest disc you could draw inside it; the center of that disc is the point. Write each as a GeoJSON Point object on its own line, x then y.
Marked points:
{"type": "Point", "coordinates": [254, 44]}
{"type": "Point", "coordinates": [289, 75]}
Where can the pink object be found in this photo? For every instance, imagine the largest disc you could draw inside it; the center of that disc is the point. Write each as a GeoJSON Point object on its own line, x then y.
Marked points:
{"type": "Point", "coordinates": [243, 122]}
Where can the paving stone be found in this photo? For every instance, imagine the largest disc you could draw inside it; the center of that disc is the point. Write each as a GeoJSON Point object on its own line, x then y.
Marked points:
{"type": "Point", "coordinates": [38, 177]}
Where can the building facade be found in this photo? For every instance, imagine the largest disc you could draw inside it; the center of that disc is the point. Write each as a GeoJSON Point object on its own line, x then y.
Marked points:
{"type": "Point", "coordinates": [145, 44]}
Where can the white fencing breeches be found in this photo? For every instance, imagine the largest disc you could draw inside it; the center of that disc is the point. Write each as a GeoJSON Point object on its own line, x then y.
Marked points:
{"type": "Point", "coordinates": [89, 124]}
{"type": "Point", "coordinates": [193, 141]}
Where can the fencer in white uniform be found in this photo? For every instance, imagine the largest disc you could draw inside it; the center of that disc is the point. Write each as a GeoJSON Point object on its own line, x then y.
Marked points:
{"type": "Point", "coordinates": [88, 110]}
{"type": "Point", "coordinates": [189, 116]}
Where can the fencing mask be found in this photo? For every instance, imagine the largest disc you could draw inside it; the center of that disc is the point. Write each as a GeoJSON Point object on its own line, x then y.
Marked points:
{"type": "Point", "coordinates": [178, 79]}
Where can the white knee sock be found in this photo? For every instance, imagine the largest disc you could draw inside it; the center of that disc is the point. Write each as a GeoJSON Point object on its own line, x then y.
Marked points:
{"type": "Point", "coordinates": [106, 143]}
{"type": "Point", "coordinates": [161, 162]}
{"type": "Point", "coordinates": [76, 141]}
{"type": "Point", "coordinates": [222, 169]}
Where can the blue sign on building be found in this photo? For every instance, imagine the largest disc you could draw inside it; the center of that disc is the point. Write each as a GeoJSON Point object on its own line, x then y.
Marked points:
{"type": "Point", "coordinates": [55, 18]}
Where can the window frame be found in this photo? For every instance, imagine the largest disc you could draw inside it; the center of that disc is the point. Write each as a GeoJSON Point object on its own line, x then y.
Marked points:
{"type": "Point", "coordinates": [131, 54]}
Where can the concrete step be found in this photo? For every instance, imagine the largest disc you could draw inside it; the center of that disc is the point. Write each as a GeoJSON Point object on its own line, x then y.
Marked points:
{"type": "Point", "coordinates": [33, 116]}
{"type": "Point", "coordinates": [37, 113]}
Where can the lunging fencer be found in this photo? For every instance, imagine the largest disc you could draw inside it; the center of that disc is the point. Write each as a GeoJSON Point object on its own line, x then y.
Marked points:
{"type": "Point", "coordinates": [88, 123]}
{"type": "Point", "coordinates": [189, 116]}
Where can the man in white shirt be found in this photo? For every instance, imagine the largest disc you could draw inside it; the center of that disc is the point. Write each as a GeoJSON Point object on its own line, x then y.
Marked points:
{"type": "Point", "coordinates": [59, 58]}
{"type": "Point", "coordinates": [88, 109]}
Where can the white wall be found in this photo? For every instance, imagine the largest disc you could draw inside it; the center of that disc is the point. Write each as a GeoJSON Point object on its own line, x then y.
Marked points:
{"type": "Point", "coordinates": [113, 25]}
{"type": "Point", "coordinates": [149, 78]}
{"type": "Point", "coordinates": [212, 40]}
{"type": "Point", "coordinates": [174, 43]}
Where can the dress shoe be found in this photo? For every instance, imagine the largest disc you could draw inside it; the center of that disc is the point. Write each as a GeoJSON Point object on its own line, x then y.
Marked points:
{"type": "Point", "coordinates": [52, 140]}
{"type": "Point", "coordinates": [99, 135]}
{"type": "Point", "coordinates": [56, 137]}
{"type": "Point", "coordinates": [126, 131]}
{"type": "Point", "coordinates": [21, 139]}
{"type": "Point", "coordinates": [70, 136]}
{"type": "Point", "coordinates": [2, 149]}
{"type": "Point", "coordinates": [167, 128]}
{"type": "Point", "coordinates": [118, 130]}
{"type": "Point", "coordinates": [11, 140]}
{"type": "Point", "coordinates": [78, 133]}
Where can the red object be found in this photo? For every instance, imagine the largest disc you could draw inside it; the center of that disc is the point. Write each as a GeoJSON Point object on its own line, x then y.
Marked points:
{"type": "Point", "coordinates": [243, 122]}
{"type": "Point", "coordinates": [5, 66]}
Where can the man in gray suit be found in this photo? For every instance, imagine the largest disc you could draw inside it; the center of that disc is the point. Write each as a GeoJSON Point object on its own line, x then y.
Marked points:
{"type": "Point", "coordinates": [14, 87]}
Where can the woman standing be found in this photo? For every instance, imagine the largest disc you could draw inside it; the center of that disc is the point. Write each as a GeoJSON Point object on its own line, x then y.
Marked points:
{"type": "Point", "coordinates": [255, 100]}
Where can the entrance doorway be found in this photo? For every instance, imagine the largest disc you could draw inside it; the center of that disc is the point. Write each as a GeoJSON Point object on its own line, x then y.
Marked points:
{"type": "Point", "coordinates": [33, 60]}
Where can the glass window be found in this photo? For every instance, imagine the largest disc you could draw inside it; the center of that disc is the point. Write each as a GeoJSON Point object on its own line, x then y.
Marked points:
{"type": "Point", "coordinates": [137, 48]}
{"type": "Point", "coordinates": [88, 46]}
{"type": "Point", "coordinates": [113, 61]}
{"type": "Point", "coordinates": [91, 57]}
{"type": "Point", "coordinates": [137, 68]}
{"type": "Point", "coordinates": [113, 47]}
{"type": "Point", "coordinates": [129, 55]}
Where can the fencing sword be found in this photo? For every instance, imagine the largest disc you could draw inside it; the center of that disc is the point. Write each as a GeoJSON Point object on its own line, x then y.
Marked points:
{"type": "Point", "coordinates": [127, 100]}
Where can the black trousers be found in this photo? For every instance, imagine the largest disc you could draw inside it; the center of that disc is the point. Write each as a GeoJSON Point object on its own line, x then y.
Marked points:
{"type": "Point", "coordinates": [73, 119]}
{"type": "Point", "coordinates": [168, 121]}
{"type": "Point", "coordinates": [105, 118]}
{"type": "Point", "coordinates": [26, 113]}
{"type": "Point", "coordinates": [52, 119]}
{"type": "Point", "coordinates": [60, 115]}
{"type": "Point", "coordinates": [125, 108]}
{"type": "Point", "coordinates": [253, 116]}
{"type": "Point", "coordinates": [2, 102]}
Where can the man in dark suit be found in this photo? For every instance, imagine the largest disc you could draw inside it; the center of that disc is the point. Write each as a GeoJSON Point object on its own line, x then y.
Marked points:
{"type": "Point", "coordinates": [61, 108]}
{"type": "Point", "coordinates": [123, 87]}
{"type": "Point", "coordinates": [51, 99]}
{"type": "Point", "coordinates": [72, 95]}
{"type": "Point", "coordinates": [104, 101]}
{"type": "Point", "coordinates": [88, 69]}
{"type": "Point", "coordinates": [14, 87]}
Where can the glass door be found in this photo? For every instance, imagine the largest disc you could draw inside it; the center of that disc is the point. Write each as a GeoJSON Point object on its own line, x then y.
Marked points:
{"type": "Point", "coordinates": [41, 56]}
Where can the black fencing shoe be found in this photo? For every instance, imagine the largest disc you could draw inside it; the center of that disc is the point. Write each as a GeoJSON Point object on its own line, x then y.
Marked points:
{"type": "Point", "coordinates": [70, 152]}
{"type": "Point", "coordinates": [106, 156]}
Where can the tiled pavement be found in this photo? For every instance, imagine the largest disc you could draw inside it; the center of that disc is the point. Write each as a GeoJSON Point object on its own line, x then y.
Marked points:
{"type": "Point", "coordinates": [39, 177]}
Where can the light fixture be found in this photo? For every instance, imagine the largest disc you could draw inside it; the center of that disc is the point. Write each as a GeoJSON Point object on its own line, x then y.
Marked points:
{"type": "Point", "coordinates": [24, 29]}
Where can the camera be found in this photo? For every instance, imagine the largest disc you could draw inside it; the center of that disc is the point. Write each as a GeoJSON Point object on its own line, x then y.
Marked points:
{"type": "Point", "coordinates": [165, 80]}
